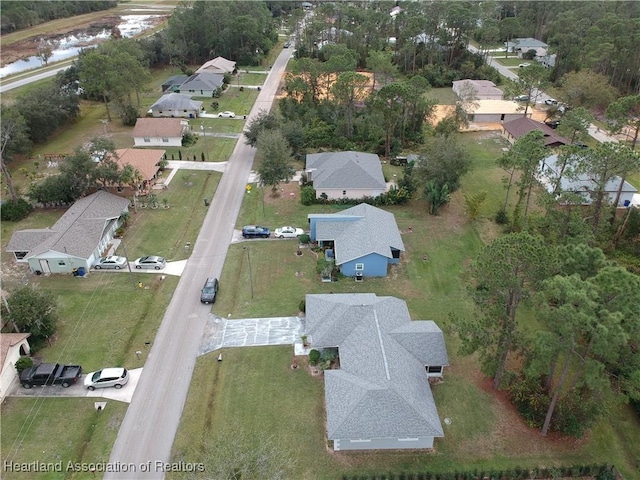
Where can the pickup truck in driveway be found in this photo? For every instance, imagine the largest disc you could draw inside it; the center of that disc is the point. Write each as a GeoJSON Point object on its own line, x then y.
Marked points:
{"type": "Point", "coordinates": [50, 374]}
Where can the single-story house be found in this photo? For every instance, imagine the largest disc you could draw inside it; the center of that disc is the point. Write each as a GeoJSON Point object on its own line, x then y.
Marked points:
{"type": "Point", "coordinates": [380, 397]}
{"type": "Point", "coordinates": [523, 45]}
{"type": "Point", "coordinates": [482, 89]}
{"type": "Point", "coordinates": [201, 84]}
{"type": "Point", "coordinates": [519, 127]}
{"type": "Point", "coordinates": [159, 132]}
{"type": "Point", "coordinates": [146, 161]}
{"type": "Point", "coordinates": [364, 240]}
{"type": "Point", "coordinates": [176, 105]}
{"type": "Point", "coordinates": [76, 240]}
{"type": "Point", "coordinates": [547, 61]}
{"type": "Point", "coordinates": [12, 347]}
{"type": "Point", "coordinates": [345, 174]}
{"type": "Point", "coordinates": [494, 111]}
{"type": "Point", "coordinates": [172, 84]}
{"type": "Point", "coordinates": [219, 65]}
{"type": "Point", "coordinates": [583, 185]}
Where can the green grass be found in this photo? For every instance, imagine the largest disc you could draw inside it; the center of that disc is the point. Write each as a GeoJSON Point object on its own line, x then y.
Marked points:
{"type": "Point", "coordinates": [57, 430]}
{"type": "Point", "coordinates": [165, 231]}
{"type": "Point", "coordinates": [442, 96]}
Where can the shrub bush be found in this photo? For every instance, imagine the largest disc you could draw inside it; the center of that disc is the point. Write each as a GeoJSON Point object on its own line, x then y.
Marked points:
{"type": "Point", "coordinates": [502, 218]}
{"type": "Point", "coordinates": [302, 306]}
{"type": "Point", "coordinates": [11, 211]}
{"type": "Point", "coordinates": [314, 356]}
{"type": "Point", "coordinates": [304, 238]}
{"type": "Point", "coordinates": [23, 363]}
{"type": "Point", "coordinates": [308, 195]}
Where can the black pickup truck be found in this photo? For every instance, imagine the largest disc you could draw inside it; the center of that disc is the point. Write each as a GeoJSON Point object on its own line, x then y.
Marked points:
{"type": "Point", "coordinates": [50, 374]}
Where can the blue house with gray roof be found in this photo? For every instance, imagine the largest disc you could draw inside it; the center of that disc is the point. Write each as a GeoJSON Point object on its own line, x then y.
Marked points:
{"type": "Point", "coordinates": [365, 239]}
{"type": "Point", "coordinates": [345, 174]}
{"type": "Point", "coordinates": [380, 397]}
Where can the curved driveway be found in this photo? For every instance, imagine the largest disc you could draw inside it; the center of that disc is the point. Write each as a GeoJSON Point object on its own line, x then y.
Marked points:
{"type": "Point", "coordinates": [152, 419]}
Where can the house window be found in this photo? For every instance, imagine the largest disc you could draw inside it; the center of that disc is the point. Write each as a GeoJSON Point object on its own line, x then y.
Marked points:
{"type": "Point", "coordinates": [395, 254]}
{"type": "Point", "coordinates": [344, 192]}
{"type": "Point", "coordinates": [165, 140]}
{"type": "Point", "coordinates": [434, 369]}
{"type": "Point", "coordinates": [61, 263]}
{"type": "Point", "coordinates": [147, 140]}
{"type": "Point", "coordinates": [361, 440]}
{"type": "Point", "coordinates": [160, 112]}
{"type": "Point", "coordinates": [359, 266]}
{"type": "Point", "coordinates": [20, 255]}
{"type": "Point", "coordinates": [408, 439]}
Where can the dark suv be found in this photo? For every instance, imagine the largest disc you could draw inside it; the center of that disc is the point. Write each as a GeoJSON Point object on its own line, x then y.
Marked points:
{"type": "Point", "coordinates": [254, 231]}
{"type": "Point", "coordinates": [208, 294]}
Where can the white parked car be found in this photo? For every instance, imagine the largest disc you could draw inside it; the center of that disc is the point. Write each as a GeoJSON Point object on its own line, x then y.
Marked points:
{"type": "Point", "coordinates": [107, 377]}
{"type": "Point", "coordinates": [111, 261]}
{"type": "Point", "coordinates": [287, 232]}
{"type": "Point", "coordinates": [226, 115]}
{"type": "Point", "coordinates": [150, 261]}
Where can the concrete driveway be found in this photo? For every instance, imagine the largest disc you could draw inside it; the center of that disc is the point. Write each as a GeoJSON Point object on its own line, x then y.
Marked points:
{"type": "Point", "coordinates": [250, 332]}
{"type": "Point", "coordinates": [123, 394]}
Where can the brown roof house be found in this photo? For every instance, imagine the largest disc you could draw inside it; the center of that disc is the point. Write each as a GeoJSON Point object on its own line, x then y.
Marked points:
{"type": "Point", "coordinates": [515, 129]}
{"type": "Point", "coordinates": [146, 161]}
{"type": "Point", "coordinates": [159, 132]}
{"type": "Point", "coordinates": [76, 240]}
{"type": "Point", "coordinates": [12, 347]}
{"type": "Point", "coordinates": [218, 65]}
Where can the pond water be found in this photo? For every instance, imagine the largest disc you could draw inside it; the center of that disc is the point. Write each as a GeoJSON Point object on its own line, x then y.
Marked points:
{"type": "Point", "coordinates": [69, 47]}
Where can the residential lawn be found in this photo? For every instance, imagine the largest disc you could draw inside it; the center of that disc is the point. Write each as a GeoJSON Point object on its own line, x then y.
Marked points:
{"type": "Point", "coordinates": [105, 317]}
{"type": "Point", "coordinates": [442, 96]}
{"type": "Point", "coordinates": [57, 430]}
{"type": "Point", "coordinates": [215, 149]}
{"type": "Point", "coordinates": [163, 231]}
{"type": "Point", "coordinates": [511, 61]}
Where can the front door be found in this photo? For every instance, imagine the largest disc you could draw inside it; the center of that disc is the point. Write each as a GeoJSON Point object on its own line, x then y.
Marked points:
{"type": "Point", "coordinates": [44, 266]}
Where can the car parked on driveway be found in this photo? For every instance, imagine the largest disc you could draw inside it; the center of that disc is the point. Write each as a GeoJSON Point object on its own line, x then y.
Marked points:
{"type": "Point", "coordinates": [255, 231]}
{"type": "Point", "coordinates": [209, 290]}
{"type": "Point", "coordinates": [107, 377]}
{"type": "Point", "coordinates": [521, 98]}
{"type": "Point", "coordinates": [226, 114]}
{"type": "Point", "coordinates": [150, 261]}
{"type": "Point", "coordinates": [552, 123]}
{"type": "Point", "coordinates": [112, 261]}
{"type": "Point", "coordinates": [550, 101]}
{"type": "Point", "coordinates": [287, 232]}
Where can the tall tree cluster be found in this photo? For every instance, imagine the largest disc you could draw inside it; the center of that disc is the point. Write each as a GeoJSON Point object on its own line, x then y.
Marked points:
{"type": "Point", "coordinates": [17, 15]}
{"type": "Point", "coordinates": [200, 31]}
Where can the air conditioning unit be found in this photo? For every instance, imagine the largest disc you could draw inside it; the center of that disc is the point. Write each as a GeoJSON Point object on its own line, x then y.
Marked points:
{"type": "Point", "coordinates": [359, 276]}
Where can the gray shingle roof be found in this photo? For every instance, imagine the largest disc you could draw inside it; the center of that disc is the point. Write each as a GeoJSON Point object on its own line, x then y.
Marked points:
{"type": "Point", "coordinates": [345, 170]}
{"type": "Point", "coordinates": [382, 388]}
{"type": "Point", "coordinates": [371, 230]}
{"type": "Point", "coordinates": [202, 81]}
{"type": "Point", "coordinates": [176, 101]}
{"type": "Point", "coordinates": [78, 232]}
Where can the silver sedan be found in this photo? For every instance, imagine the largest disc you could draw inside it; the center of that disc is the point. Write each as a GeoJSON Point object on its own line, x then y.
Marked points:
{"type": "Point", "coordinates": [111, 261]}
{"type": "Point", "coordinates": [150, 261]}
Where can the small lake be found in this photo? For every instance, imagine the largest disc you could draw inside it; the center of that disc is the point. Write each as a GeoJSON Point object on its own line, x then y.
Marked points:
{"type": "Point", "coordinates": [69, 47]}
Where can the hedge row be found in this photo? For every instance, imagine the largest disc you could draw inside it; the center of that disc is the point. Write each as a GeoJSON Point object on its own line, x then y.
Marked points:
{"type": "Point", "coordinates": [597, 471]}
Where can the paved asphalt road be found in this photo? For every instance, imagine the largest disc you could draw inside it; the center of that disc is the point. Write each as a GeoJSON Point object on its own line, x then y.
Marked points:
{"type": "Point", "coordinates": [29, 77]}
{"type": "Point", "coordinates": [152, 419]}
